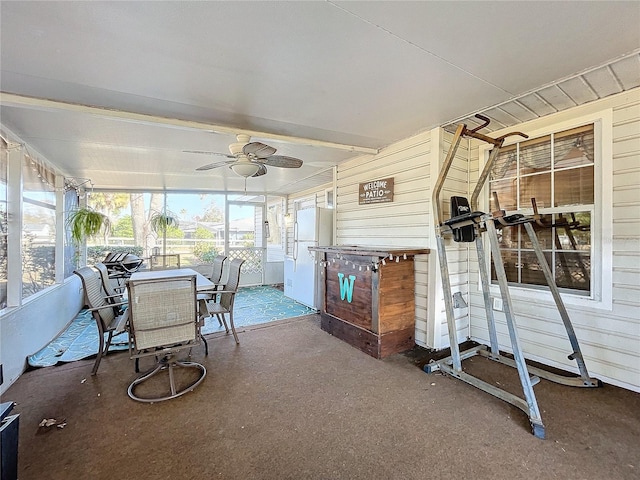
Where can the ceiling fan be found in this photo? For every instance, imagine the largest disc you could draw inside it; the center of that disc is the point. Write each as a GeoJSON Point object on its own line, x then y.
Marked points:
{"type": "Point", "coordinates": [250, 159]}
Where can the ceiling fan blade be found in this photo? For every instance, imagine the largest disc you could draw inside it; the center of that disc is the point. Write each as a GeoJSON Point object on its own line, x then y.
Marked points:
{"type": "Point", "coordinates": [260, 172]}
{"type": "Point", "coordinates": [202, 152]}
{"type": "Point", "coordinates": [281, 161]}
{"type": "Point", "coordinates": [213, 165]}
{"type": "Point", "coordinates": [259, 150]}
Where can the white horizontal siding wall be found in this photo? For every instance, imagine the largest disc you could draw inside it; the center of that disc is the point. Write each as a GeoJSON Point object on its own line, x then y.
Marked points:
{"type": "Point", "coordinates": [609, 335]}
{"type": "Point", "coordinates": [405, 222]}
{"type": "Point", "coordinates": [401, 223]}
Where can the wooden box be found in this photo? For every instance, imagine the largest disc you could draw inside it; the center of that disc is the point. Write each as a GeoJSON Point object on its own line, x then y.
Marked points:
{"type": "Point", "coordinates": [368, 303]}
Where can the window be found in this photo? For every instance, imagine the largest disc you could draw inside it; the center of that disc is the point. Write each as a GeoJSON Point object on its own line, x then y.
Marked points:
{"type": "Point", "coordinates": [554, 174]}
{"type": "Point", "coordinates": [328, 198]}
{"type": "Point", "coordinates": [197, 237]}
{"type": "Point", "coordinates": [38, 227]}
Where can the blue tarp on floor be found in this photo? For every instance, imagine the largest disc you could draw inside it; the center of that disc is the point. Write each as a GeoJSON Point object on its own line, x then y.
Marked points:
{"type": "Point", "coordinates": [253, 306]}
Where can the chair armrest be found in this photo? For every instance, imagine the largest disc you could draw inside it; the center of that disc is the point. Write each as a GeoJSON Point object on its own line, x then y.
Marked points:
{"type": "Point", "coordinates": [123, 321]}
{"type": "Point", "coordinates": [112, 296]}
{"type": "Point", "coordinates": [225, 291]}
{"type": "Point", "coordinates": [211, 289]}
{"type": "Point", "coordinates": [109, 305]}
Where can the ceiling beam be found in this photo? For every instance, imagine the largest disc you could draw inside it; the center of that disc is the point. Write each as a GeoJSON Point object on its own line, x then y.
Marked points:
{"type": "Point", "coordinates": [23, 101]}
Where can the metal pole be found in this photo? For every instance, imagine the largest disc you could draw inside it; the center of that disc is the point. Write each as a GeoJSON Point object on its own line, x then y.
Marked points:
{"type": "Point", "coordinates": [484, 175]}
{"type": "Point", "coordinates": [435, 198]}
{"type": "Point", "coordinates": [448, 303]}
{"type": "Point", "coordinates": [484, 279]}
{"type": "Point", "coordinates": [577, 353]}
{"type": "Point", "coordinates": [442, 252]}
{"type": "Point", "coordinates": [527, 387]}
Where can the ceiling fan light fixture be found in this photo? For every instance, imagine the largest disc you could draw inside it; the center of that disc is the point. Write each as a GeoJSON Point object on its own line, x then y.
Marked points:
{"type": "Point", "coordinates": [245, 169]}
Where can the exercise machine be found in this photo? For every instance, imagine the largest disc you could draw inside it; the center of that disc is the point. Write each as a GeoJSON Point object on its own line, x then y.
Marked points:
{"type": "Point", "coordinates": [469, 225]}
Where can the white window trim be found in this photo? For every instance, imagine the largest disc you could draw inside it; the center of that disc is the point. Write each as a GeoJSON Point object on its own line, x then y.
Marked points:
{"type": "Point", "coordinates": [601, 296]}
{"type": "Point", "coordinates": [329, 200]}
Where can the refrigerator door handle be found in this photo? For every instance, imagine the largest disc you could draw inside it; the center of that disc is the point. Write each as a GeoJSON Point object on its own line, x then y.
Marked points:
{"type": "Point", "coordinates": [295, 243]}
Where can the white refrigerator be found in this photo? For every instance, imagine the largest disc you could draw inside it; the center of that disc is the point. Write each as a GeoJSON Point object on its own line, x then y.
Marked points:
{"type": "Point", "coordinates": [313, 227]}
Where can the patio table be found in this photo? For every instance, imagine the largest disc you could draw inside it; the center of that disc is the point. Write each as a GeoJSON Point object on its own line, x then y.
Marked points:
{"type": "Point", "coordinates": [202, 282]}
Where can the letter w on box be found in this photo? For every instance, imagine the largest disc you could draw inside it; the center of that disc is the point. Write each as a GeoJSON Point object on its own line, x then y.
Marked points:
{"type": "Point", "coordinates": [346, 286]}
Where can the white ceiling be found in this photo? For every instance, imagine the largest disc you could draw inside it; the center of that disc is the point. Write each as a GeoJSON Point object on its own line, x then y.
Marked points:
{"type": "Point", "coordinates": [124, 88]}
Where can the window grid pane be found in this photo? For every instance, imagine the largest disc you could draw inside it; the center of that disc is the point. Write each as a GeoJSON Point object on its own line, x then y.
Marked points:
{"type": "Point", "coordinates": [511, 262]}
{"type": "Point", "coordinates": [535, 186]}
{"type": "Point", "coordinates": [574, 147]}
{"type": "Point", "coordinates": [577, 186]}
{"type": "Point", "coordinates": [505, 165]}
{"type": "Point", "coordinates": [535, 156]}
{"type": "Point", "coordinates": [573, 270]}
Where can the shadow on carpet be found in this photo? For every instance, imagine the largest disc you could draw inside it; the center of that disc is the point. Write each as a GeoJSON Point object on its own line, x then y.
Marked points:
{"type": "Point", "coordinates": [253, 306]}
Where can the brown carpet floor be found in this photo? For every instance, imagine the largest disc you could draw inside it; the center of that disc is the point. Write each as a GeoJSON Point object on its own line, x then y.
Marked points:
{"type": "Point", "coordinates": [292, 402]}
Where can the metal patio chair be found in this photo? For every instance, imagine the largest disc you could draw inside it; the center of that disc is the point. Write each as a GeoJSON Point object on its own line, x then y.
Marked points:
{"type": "Point", "coordinates": [163, 321]}
{"type": "Point", "coordinates": [102, 311]}
{"type": "Point", "coordinates": [164, 262]}
{"type": "Point", "coordinates": [215, 277]}
{"type": "Point", "coordinates": [217, 269]}
{"type": "Point", "coordinates": [114, 295]}
{"type": "Point", "coordinates": [224, 299]}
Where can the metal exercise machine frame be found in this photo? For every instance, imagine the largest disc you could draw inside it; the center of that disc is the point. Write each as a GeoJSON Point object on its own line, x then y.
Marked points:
{"type": "Point", "coordinates": [489, 223]}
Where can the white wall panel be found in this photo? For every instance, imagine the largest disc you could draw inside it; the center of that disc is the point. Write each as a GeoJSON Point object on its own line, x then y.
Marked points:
{"type": "Point", "coordinates": [27, 329]}
{"type": "Point", "coordinates": [405, 222]}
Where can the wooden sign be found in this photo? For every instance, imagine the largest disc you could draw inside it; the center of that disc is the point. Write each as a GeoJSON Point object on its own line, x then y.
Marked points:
{"type": "Point", "coordinates": [378, 191]}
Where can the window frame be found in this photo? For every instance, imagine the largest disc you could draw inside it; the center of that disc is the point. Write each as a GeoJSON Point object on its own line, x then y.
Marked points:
{"type": "Point", "coordinates": [601, 295]}
{"type": "Point", "coordinates": [29, 197]}
{"type": "Point", "coordinates": [4, 225]}
{"type": "Point", "coordinates": [17, 154]}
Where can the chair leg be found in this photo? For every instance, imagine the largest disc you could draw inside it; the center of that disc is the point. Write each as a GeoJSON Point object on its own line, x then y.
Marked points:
{"type": "Point", "coordinates": [233, 328]}
{"type": "Point", "coordinates": [100, 350]}
{"type": "Point", "coordinates": [206, 345]}
{"type": "Point", "coordinates": [222, 320]}
{"type": "Point", "coordinates": [108, 344]}
{"type": "Point", "coordinates": [168, 364]}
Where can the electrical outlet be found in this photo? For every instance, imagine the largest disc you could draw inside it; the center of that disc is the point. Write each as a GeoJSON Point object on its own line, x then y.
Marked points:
{"type": "Point", "coordinates": [497, 304]}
